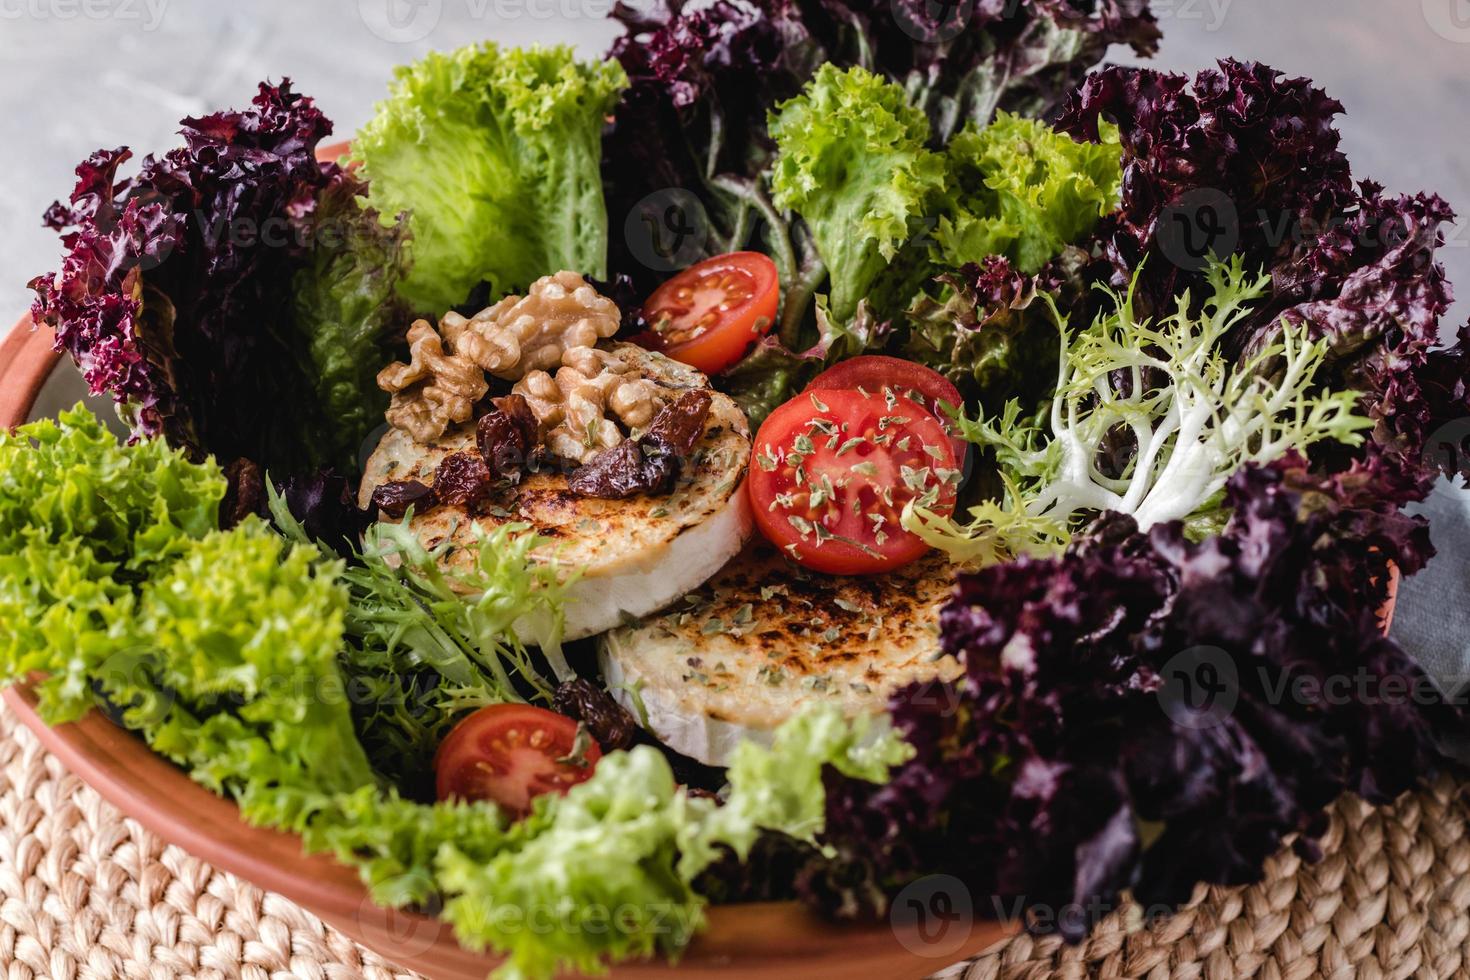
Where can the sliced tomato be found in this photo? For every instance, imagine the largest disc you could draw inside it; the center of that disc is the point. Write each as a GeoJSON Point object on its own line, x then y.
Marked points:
{"type": "Point", "coordinates": [832, 470]}
{"type": "Point", "coordinates": [511, 754]}
{"type": "Point", "coordinates": [875, 372]}
{"type": "Point", "coordinates": [708, 315]}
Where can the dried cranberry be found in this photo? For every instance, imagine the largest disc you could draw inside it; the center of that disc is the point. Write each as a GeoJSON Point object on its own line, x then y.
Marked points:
{"type": "Point", "coordinates": [462, 480]}
{"type": "Point", "coordinates": [505, 436]}
{"type": "Point", "coordinates": [608, 722]}
{"type": "Point", "coordinates": [394, 499]}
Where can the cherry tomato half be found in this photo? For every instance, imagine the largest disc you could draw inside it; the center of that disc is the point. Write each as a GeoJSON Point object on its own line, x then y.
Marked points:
{"type": "Point", "coordinates": [874, 372]}
{"type": "Point", "coordinates": [832, 471]}
{"type": "Point", "coordinates": [708, 315]}
{"type": "Point", "coordinates": [511, 754]}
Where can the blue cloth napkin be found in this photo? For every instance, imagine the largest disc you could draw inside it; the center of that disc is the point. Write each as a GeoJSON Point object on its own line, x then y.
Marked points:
{"type": "Point", "coordinates": [1432, 618]}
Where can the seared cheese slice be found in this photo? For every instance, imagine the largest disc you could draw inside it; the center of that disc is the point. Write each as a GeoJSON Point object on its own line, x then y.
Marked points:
{"type": "Point", "coordinates": [764, 638]}
{"type": "Point", "coordinates": [634, 556]}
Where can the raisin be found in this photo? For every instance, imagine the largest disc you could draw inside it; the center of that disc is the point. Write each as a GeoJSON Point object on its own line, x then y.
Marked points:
{"type": "Point", "coordinates": [462, 480]}
{"type": "Point", "coordinates": [652, 464]}
{"type": "Point", "coordinates": [394, 499]}
{"type": "Point", "coordinates": [678, 425]}
{"type": "Point", "coordinates": [612, 474]}
{"type": "Point", "coordinates": [607, 721]}
{"type": "Point", "coordinates": [505, 436]}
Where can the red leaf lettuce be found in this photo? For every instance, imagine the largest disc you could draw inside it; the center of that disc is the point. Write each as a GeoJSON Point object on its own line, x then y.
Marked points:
{"type": "Point", "coordinates": [233, 296]}
{"type": "Point", "coordinates": [1070, 763]}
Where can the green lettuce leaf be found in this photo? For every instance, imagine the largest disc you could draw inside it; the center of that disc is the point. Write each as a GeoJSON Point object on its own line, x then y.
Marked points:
{"type": "Point", "coordinates": [345, 315]}
{"type": "Point", "coordinates": [220, 646]}
{"type": "Point", "coordinates": [81, 519]}
{"type": "Point", "coordinates": [495, 153]}
{"type": "Point", "coordinates": [852, 162]}
{"type": "Point", "coordinates": [237, 644]}
{"type": "Point", "coordinates": [1022, 190]}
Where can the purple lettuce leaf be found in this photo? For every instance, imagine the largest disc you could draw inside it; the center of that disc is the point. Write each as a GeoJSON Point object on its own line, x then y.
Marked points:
{"type": "Point", "coordinates": [179, 293]}
{"type": "Point", "coordinates": [1239, 160]}
{"type": "Point", "coordinates": [1069, 764]}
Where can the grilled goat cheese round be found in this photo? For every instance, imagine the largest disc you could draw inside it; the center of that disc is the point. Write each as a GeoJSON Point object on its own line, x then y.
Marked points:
{"type": "Point", "coordinates": [764, 638]}
{"type": "Point", "coordinates": [634, 556]}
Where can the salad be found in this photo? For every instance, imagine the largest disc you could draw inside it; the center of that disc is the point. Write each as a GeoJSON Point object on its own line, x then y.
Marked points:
{"type": "Point", "coordinates": [787, 458]}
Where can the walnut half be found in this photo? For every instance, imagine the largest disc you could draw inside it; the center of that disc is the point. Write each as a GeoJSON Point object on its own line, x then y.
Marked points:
{"type": "Point", "coordinates": [434, 390]}
{"type": "Point", "coordinates": [560, 316]}
{"type": "Point", "coordinates": [521, 334]}
{"type": "Point", "coordinates": [576, 406]}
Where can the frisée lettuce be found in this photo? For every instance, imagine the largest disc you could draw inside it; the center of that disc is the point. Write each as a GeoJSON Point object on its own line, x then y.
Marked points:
{"type": "Point", "coordinates": [1161, 395]}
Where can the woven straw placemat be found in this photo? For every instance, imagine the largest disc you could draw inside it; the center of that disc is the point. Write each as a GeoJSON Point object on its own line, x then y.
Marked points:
{"type": "Point", "coordinates": [86, 894]}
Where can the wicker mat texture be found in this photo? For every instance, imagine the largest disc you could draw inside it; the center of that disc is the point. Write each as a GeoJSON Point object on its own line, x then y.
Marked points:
{"type": "Point", "coordinates": [86, 893]}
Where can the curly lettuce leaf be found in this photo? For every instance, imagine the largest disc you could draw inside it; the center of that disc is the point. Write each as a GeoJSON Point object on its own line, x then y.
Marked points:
{"type": "Point", "coordinates": [220, 646]}
{"type": "Point", "coordinates": [495, 152]}
{"type": "Point", "coordinates": [852, 161]}
{"type": "Point", "coordinates": [242, 638]}
{"type": "Point", "coordinates": [345, 313]}
{"type": "Point", "coordinates": [780, 788]}
{"type": "Point", "coordinates": [81, 517]}
{"type": "Point", "coordinates": [1024, 191]}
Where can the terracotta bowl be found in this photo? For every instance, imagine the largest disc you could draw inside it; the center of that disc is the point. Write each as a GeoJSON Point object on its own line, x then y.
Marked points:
{"type": "Point", "coordinates": [775, 940]}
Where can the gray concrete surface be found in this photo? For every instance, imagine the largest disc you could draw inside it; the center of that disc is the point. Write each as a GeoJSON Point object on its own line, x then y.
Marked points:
{"type": "Point", "coordinates": [76, 75]}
